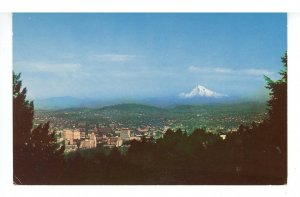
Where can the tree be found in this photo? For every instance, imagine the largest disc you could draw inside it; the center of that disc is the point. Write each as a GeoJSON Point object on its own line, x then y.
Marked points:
{"type": "Point", "coordinates": [22, 124]}
{"type": "Point", "coordinates": [36, 155]}
{"type": "Point", "coordinates": [277, 121]}
{"type": "Point", "coordinates": [278, 107]}
{"type": "Point", "coordinates": [265, 145]}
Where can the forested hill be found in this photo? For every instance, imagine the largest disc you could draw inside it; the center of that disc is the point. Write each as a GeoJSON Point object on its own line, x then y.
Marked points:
{"type": "Point", "coordinates": [245, 107]}
{"type": "Point", "coordinates": [132, 107]}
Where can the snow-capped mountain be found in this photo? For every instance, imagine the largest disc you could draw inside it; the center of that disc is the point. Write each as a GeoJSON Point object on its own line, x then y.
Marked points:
{"type": "Point", "coordinates": [201, 91]}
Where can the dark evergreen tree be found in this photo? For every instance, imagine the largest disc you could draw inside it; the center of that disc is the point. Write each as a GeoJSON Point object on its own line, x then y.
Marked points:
{"type": "Point", "coordinates": [278, 107]}
{"type": "Point", "coordinates": [22, 124]}
{"type": "Point", "coordinates": [36, 155]}
{"type": "Point", "coordinates": [277, 121]}
{"type": "Point", "coordinates": [263, 155]}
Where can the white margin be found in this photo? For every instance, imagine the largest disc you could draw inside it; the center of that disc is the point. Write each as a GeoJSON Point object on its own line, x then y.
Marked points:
{"type": "Point", "coordinates": [149, 6]}
{"type": "Point", "coordinates": [5, 100]}
{"type": "Point", "coordinates": [8, 189]}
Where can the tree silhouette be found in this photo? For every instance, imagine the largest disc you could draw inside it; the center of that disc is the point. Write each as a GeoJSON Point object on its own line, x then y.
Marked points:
{"type": "Point", "coordinates": [277, 121]}
{"type": "Point", "coordinates": [262, 154]}
{"type": "Point", "coordinates": [36, 155]}
{"type": "Point", "coordinates": [278, 107]}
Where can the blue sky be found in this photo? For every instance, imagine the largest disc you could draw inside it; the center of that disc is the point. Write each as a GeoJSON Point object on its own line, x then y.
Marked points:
{"type": "Point", "coordinates": [147, 55]}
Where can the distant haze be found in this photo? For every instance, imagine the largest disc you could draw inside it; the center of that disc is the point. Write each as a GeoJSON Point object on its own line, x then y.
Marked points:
{"type": "Point", "coordinates": [142, 57]}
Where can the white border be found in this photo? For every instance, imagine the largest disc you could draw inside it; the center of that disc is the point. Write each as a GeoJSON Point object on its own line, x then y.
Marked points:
{"type": "Point", "coordinates": [293, 99]}
{"type": "Point", "coordinates": [149, 6]}
{"type": "Point", "coordinates": [8, 189]}
{"type": "Point", "coordinates": [5, 100]}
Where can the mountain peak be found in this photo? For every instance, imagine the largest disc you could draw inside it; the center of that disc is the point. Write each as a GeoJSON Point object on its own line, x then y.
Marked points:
{"type": "Point", "coordinates": [201, 91]}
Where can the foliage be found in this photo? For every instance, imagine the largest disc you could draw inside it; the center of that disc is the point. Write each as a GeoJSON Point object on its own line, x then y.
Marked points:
{"type": "Point", "coordinates": [265, 145]}
{"type": "Point", "coordinates": [36, 155]}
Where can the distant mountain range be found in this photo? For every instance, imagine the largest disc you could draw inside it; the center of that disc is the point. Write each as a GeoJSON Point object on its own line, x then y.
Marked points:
{"type": "Point", "coordinates": [132, 110]}
{"type": "Point", "coordinates": [72, 102]}
{"type": "Point", "coordinates": [198, 95]}
{"type": "Point", "coordinates": [62, 102]}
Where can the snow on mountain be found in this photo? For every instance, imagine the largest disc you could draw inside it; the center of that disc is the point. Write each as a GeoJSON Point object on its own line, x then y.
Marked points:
{"type": "Point", "coordinates": [201, 91]}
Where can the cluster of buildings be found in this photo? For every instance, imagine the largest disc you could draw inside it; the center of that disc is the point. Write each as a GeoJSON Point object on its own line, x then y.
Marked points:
{"type": "Point", "coordinates": [74, 139]}
{"type": "Point", "coordinates": [79, 138]}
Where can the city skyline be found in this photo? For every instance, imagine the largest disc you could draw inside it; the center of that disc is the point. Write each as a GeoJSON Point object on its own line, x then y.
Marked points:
{"type": "Point", "coordinates": [147, 55]}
